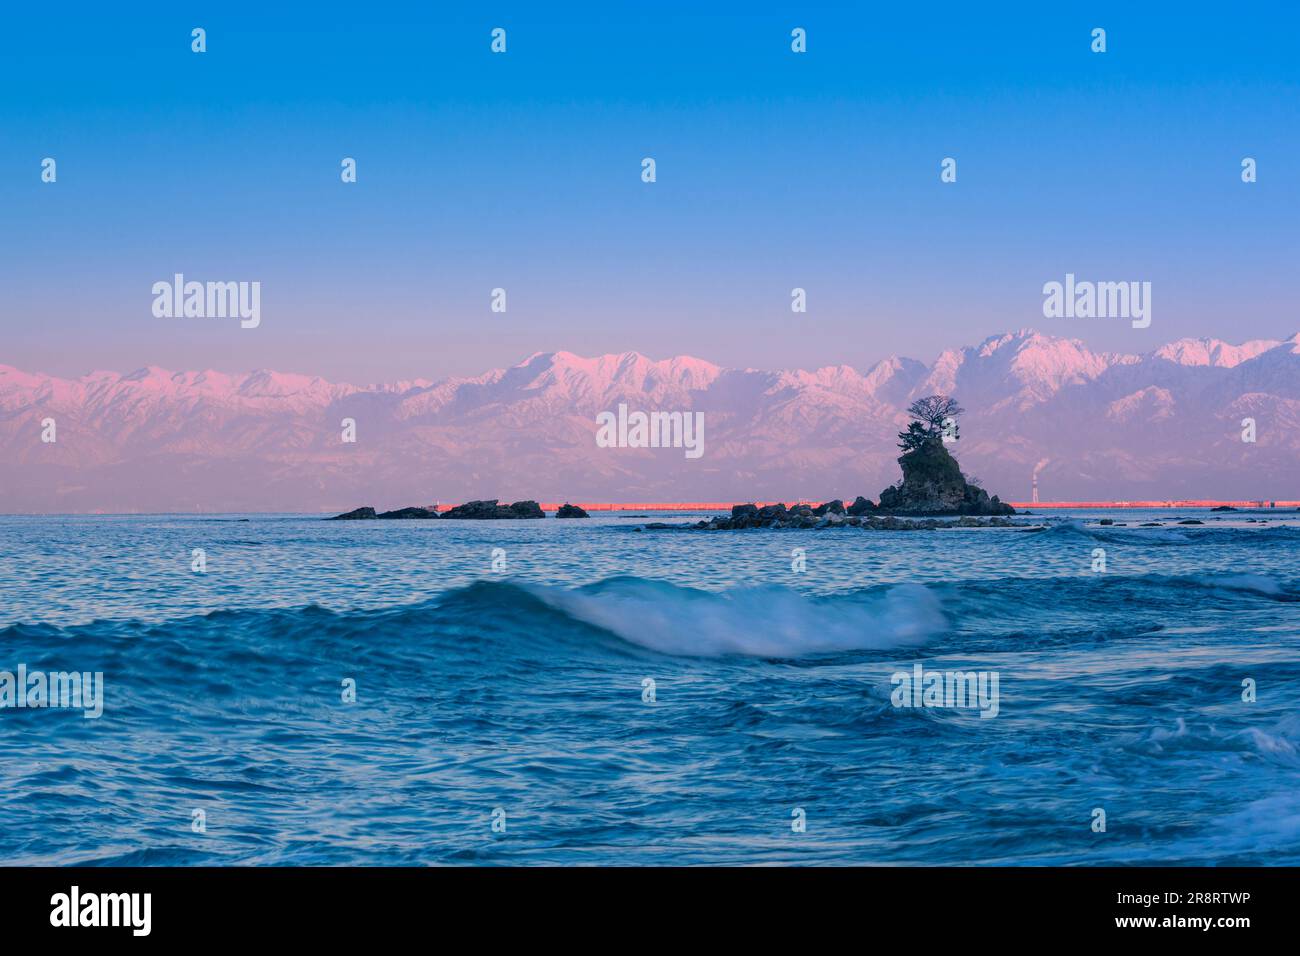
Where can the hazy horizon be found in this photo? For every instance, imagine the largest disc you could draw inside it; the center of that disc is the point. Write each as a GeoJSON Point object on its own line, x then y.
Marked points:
{"type": "Point", "coordinates": [1166, 424]}
{"type": "Point", "coordinates": [508, 363]}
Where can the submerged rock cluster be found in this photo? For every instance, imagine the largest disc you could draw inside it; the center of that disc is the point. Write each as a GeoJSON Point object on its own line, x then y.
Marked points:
{"type": "Point", "coordinates": [932, 487]}
{"type": "Point", "coordinates": [471, 510]}
{"type": "Point", "coordinates": [474, 510]}
{"type": "Point", "coordinates": [806, 516]}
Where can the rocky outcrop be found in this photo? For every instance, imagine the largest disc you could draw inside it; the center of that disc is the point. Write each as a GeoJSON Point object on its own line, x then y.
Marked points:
{"type": "Point", "coordinates": [358, 514]}
{"type": "Point", "coordinates": [794, 520]}
{"type": "Point", "coordinates": [476, 510]}
{"type": "Point", "coordinates": [934, 485]}
{"type": "Point", "coordinates": [490, 510]}
{"type": "Point", "coordinates": [410, 513]}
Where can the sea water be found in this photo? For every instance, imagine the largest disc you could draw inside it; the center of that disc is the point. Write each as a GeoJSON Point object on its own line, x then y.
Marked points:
{"type": "Point", "coordinates": [587, 692]}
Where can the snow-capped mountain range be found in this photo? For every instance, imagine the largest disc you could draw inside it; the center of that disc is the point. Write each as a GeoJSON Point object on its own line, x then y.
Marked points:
{"type": "Point", "coordinates": [1165, 424]}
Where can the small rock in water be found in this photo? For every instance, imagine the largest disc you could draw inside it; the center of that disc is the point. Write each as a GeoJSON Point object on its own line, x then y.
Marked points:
{"type": "Point", "coordinates": [410, 513]}
{"type": "Point", "coordinates": [861, 506]}
{"type": "Point", "coordinates": [489, 510]}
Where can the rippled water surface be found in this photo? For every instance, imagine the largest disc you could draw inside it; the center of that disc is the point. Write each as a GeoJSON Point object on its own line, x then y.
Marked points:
{"type": "Point", "coordinates": [522, 689]}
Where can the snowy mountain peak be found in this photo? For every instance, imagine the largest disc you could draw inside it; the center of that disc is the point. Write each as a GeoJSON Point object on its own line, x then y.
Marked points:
{"type": "Point", "coordinates": [1213, 352]}
{"type": "Point", "coordinates": [1109, 425]}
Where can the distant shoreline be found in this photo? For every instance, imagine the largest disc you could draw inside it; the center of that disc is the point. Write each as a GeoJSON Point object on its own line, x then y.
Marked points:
{"type": "Point", "coordinates": [1252, 504]}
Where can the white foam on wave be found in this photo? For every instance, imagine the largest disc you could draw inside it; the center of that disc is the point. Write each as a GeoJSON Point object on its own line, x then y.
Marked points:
{"type": "Point", "coordinates": [1277, 744]}
{"type": "Point", "coordinates": [1269, 825]}
{"type": "Point", "coordinates": [761, 622]}
{"type": "Point", "coordinates": [1242, 582]}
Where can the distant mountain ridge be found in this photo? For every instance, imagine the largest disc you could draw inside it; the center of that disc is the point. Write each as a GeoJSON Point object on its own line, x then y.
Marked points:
{"type": "Point", "coordinates": [1163, 424]}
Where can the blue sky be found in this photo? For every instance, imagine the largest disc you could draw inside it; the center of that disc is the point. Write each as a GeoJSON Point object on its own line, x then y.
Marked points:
{"type": "Point", "coordinates": [522, 171]}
